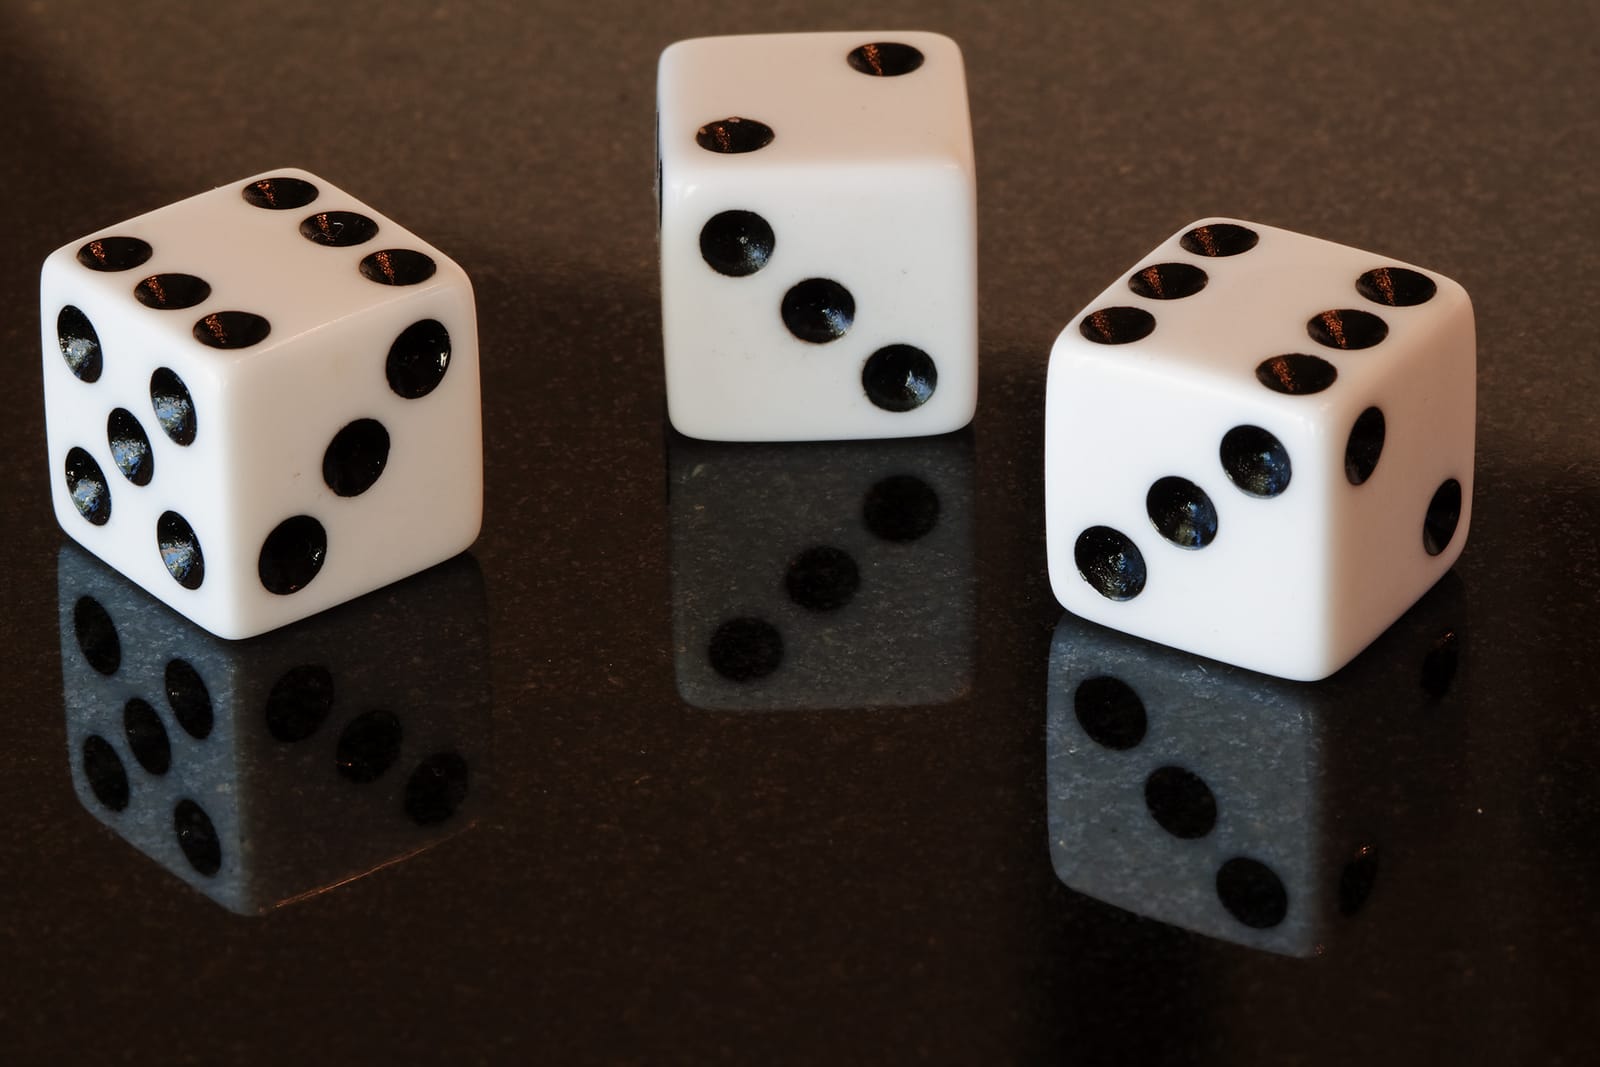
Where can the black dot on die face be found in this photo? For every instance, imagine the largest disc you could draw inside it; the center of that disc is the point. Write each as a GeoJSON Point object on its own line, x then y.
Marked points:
{"type": "Point", "coordinates": [147, 738]}
{"type": "Point", "coordinates": [437, 788]}
{"type": "Point", "coordinates": [1396, 287]}
{"type": "Point", "coordinates": [1110, 712]}
{"type": "Point", "coordinates": [418, 359]}
{"type": "Point", "coordinates": [355, 458]}
{"type": "Point", "coordinates": [338, 229]}
{"type": "Point", "coordinates": [197, 837]}
{"type": "Point", "coordinates": [733, 136]}
{"type": "Point", "coordinates": [292, 555]}
{"type": "Point", "coordinates": [1219, 239]}
{"type": "Point", "coordinates": [173, 405]}
{"type": "Point", "coordinates": [1181, 512]}
{"type": "Point", "coordinates": [299, 703]}
{"type": "Point", "coordinates": [899, 378]}
{"type": "Point", "coordinates": [885, 59]}
{"type": "Point", "coordinates": [736, 243]}
{"type": "Point", "coordinates": [115, 253]}
{"type": "Point", "coordinates": [398, 266]}
{"type": "Point", "coordinates": [1110, 562]}
{"type": "Point", "coordinates": [1180, 802]}
{"type": "Point", "coordinates": [1168, 281]}
{"type": "Point", "coordinates": [1252, 893]}
{"type": "Point", "coordinates": [86, 486]}
{"type": "Point", "coordinates": [900, 508]}
{"type": "Point", "coordinates": [180, 550]}
{"type": "Point", "coordinates": [189, 699]}
{"type": "Point", "coordinates": [97, 636]}
{"type": "Point", "coordinates": [1256, 461]}
{"type": "Point", "coordinates": [171, 292]}
{"type": "Point", "coordinates": [368, 746]}
{"type": "Point", "coordinates": [1357, 879]}
{"type": "Point", "coordinates": [80, 345]}
{"type": "Point", "coordinates": [130, 446]}
{"type": "Point", "coordinates": [822, 578]}
{"type": "Point", "coordinates": [279, 194]}
{"type": "Point", "coordinates": [1347, 329]}
{"type": "Point", "coordinates": [1444, 512]}
{"type": "Point", "coordinates": [1117, 325]}
{"type": "Point", "coordinates": [1296, 374]}
{"type": "Point", "coordinates": [745, 649]}
{"type": "Point", "coordinates": [818, 310]}
{"type": "Point", "coordinates": [232, 329]}
{"type": "Point", "coordinates": [103, 769]}
{"type": "Point", "coordinates": [1365, 446]}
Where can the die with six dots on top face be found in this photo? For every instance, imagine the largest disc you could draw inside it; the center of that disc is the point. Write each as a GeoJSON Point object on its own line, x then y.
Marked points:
{"type": "Point", "coordinates": [1259, 447]}
{"type": "Point", "coordinates": [262, 401]}
{"type": "Point", "coordinates": [818, 236]}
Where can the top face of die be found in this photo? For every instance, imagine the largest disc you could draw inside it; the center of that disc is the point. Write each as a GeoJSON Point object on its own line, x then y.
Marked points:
{"type": "Point", "coordinates": [814, 99]}
{"type": "Point", "coordinates": [1224, 301]}
{"type": "Point", "coordinates": [243, 268]}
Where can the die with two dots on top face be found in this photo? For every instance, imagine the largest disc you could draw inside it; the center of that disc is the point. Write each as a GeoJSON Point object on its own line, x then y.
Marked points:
{"type": "Point", "coordinates": [1259, 447]}
{"type": "Point", "coordinates": [262, 401]}
{"type": "Point", "coordinates": [818, 236]}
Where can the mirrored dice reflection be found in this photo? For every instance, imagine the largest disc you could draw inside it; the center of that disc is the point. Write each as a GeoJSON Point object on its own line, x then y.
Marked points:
{"type": "Point", "coordinates": [834, 575]}
{"type": "Point", "coordinates": [1239, 806]}
{"type": "Point", "coordinates": [265, 771]}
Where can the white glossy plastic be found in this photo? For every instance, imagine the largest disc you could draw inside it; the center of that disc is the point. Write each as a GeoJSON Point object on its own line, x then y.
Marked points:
{"type": "Point", "coordinates": [266, 414]}
{"type": "Point", "coordinates": [1296, 584]}
{"type": "Point", "coordinates": [869, 182]}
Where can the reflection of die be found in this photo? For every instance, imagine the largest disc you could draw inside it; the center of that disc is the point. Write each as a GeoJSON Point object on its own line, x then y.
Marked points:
{"type": "Point", "coordinates": [260, 772]}
{"type": "Point", "coordinates": [1259, 447]}
{"type": "Point", "coordinates": [822, 576]}
{"type": "Point", "coordinates": [818, 236]}
{"type": "Point", "coordinates": [262, 401]}
{"type": "Point", "coordinates": [1210, 798]}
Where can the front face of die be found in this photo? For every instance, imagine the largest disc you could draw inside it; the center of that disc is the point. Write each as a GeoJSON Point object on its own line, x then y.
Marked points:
{"type": "Point", "coordinates": [262, 401]}
{"type": "Point", "coordinates": [818, 237]}
{"type": "Point", "coordinates": [1259, 447]}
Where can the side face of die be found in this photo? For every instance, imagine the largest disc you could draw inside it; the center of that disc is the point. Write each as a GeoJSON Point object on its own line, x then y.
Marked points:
{"type": "Point", "coordinates": [262, 401]}
{"type": "Point", "coordinates": [822, 575]}
{"type": "Point", "coordinates": [1259, 447]}
{"type": "Point", "coordinates": [260, 772]}
{"type": "Point", "coordinates": [818, 236]}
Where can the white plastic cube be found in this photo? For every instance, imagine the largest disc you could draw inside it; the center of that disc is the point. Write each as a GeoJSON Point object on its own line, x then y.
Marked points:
{"type": "Point", "coordinates": [818, 236]}
{"type": "Point", "coordinates": [1259, 446]}
{"type": "Point", "coordinates": [262, 401]}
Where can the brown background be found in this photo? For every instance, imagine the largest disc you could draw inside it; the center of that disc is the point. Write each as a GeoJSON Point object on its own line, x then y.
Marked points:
{"type": "Point", "coordinates": [653, 883]}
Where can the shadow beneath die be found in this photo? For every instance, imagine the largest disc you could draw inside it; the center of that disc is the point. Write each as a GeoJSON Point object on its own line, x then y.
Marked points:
{"type": "Point", "coordinates": [835, 575]}
{"type": "Point", "coordinates": [266, 771]}
{"type": "Point", "coordinates": [1239, 806]}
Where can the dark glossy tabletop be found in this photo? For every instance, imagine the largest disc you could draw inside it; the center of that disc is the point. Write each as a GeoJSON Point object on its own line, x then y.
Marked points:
{"type": "Point", "coordinates": [598, 850]}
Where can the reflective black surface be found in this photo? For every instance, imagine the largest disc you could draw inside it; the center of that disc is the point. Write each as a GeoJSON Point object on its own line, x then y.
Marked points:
{"type": "Point", "coordinates": [868, 859]}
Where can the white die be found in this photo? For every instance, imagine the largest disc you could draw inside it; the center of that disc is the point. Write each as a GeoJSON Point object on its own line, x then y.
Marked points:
{"type": "Point", "coordinates": [818, 236]}
{"type": "Point", "coordinates": [262, 401]}
{"type": "Point", "coordinates": [1259, 447]}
